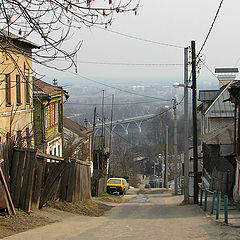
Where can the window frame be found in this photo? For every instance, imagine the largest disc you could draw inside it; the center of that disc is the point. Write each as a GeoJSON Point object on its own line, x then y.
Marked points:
{"type": "Point", "coordinates": [18, 90]}
{"type": "Point", "coordinates": [8, 89]}
{"type": "Point", "coordinates": [27, 87]}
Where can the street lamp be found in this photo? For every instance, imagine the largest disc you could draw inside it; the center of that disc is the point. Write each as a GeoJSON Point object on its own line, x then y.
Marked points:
{"type": "Point", "coordinates": [186, 157]}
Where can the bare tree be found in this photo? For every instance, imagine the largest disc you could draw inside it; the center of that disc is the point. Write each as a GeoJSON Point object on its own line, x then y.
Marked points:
{"type": "Point", "coordinates": [54, 22]}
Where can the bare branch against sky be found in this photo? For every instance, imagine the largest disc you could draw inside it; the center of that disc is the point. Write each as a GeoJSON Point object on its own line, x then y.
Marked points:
{"type": "Point", "coordinates": [54, 23]}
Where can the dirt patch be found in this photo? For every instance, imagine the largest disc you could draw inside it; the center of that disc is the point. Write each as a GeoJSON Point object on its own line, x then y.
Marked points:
{"type": "Point", "coordinates": [56, 211]}
{"type": "Point", "coordinates": [10, 225]}
{"type": "Point", "coordinates": [111, 198]}
{"type": "Point", "coordinates": [88, 208]}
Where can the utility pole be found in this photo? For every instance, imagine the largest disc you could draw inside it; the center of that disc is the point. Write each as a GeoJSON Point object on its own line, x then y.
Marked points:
{"type": "Point", "coordinates": [175, 148]}
{"type": "Point", "coordinates": [110, 137]}
{"type": "Point", "coordinates": [103, 137]}
{"type": "Point", "coordinates": [111, 126]}
{"type": "Point", "coordinates": [166, 160]}
{"type": "Point", "coordinates": [194, 111]}
{"type": "Point", "coordinates": [94, 126]}
{"type": "Point", "coordinates": [186, 156]}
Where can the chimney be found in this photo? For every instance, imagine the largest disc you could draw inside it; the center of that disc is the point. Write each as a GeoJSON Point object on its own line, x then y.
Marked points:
{"type": "Point", "coordinates": [226, 75]}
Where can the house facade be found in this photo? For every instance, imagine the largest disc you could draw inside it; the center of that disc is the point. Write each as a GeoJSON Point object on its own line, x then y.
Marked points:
{"type": "Point", "coordinates": [234, 91]}
{"type": "Point", "coordinates": [217, 117]}
{"type": "Point", "coordinates": [16, 87]}
{"type": "Point", "coordinates": [48, 114]}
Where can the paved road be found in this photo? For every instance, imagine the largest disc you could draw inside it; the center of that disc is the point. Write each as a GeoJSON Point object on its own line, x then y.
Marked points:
{"type": "Point", "coordinates": [159, 217]}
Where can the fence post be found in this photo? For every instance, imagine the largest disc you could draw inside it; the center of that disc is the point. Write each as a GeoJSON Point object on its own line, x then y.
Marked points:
{"type": "Point", "coordinates": [201, 195]}
{"type": "Point", "coordinates": [205, 200]}
{"type": "Point", "coordinates": [226, 209]}
{"type": "Point", "coordinates": [218, 205]}
{"type": "Point", "coordinates": [213, 202]}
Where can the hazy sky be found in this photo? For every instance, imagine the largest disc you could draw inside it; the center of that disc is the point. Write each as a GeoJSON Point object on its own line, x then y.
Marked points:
{"type": "Point", "coordinates": [168, 21]}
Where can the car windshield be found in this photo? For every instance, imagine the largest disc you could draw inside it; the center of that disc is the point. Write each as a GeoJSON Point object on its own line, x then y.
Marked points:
{"type": "Point", "coordinates": [114, 181]}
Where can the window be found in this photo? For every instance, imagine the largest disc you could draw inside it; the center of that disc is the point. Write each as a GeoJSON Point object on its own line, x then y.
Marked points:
{"type": "Point", "coordinates": [18, 90]}
{"type": "Point", "coordinates": [8, 90]}
{"type": "Point", "coordinates": [46, 117]}
{"type": "Point", "coordinates": [27, 86]}
{"type": "Point", "coordinates": [51, 115]}
{"type": "Point", "coordinates": [56, 112]}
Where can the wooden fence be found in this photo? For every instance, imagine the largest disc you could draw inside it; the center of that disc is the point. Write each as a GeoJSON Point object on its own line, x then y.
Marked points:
{"type": "Point", "coordinates": [34, 178]}
{"type": "Point", "coordinates": [71, 187]}
{"type": "Point", "coordinates": [222, 182]}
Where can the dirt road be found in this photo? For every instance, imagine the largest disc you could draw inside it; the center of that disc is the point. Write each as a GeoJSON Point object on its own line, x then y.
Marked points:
{"type": "Point", "coordinates": [155, 215]}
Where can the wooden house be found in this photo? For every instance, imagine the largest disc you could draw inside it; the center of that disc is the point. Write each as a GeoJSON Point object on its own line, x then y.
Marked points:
{"type": "Point", "coordinates": [48, 117]}
{"type": "Point", "coordinates": [234, 91]}
{"type": "Point", "coordinates": [217, 117]}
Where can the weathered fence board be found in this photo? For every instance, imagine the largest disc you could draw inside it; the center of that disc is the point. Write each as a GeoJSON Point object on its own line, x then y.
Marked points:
{"type": "Point", "coordinates": [18, 182]}
{"type": "Point", "coordinates": [75, 182]}
{"type": "Point", "coordinates": [50, 186]}
{"type": "Point", "coordinates": [34, 178]}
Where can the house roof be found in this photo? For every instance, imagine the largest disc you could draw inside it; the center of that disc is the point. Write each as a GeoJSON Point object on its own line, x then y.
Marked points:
{"type": "Point", "coordinates": [11, 36]}
{"type": "Point", "coordinates": [40, 86]}
{"type": "Point", "coordinates": [224, 135]}
{"type": "Point", "coordinates": [208, 95]}
{"type": "Point", "coordinates": [76, 128]}
{"type": "Point", "coordinates": [219, 107]}
{"type": "Point", "coordinates": [226, 70]}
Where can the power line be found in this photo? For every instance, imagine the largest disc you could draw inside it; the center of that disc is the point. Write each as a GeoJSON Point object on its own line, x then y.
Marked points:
{"type": "Point", "coordinates": [116, 88]}
{"type": "Point", "coordinates": [131, 64]}
{"type": "Point", "coordinates": [210, 30]}
{"type": "Point", "coordinates": [140, 39]}
{"type": "Point", "coordinates": [124, 103]}
{"type": "Point", "coordinates": [209, 69]}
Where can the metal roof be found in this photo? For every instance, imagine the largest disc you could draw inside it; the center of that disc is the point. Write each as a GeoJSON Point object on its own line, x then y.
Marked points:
{"type": "Point", "coordinates": [208, 95]}
{"type": "Point", "coordinates": [8, 35]}
{"type": "Point", "coordinates": [226, 70]}
{"type": "Point", "coordinates": [219, 107]}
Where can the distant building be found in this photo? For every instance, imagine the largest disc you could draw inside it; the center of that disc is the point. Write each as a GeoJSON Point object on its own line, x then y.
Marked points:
{"type": "Point", "coordinates": [48, 117]}
{"type": "Point", "coordinates": [16, 103]}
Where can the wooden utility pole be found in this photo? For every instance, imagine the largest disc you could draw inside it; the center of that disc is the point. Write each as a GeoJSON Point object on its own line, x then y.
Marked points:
{"type": "Point", "coordinates": [94, 126]}
{"type": "Point", "coordinates": [175, 148]}
{"type": "Point", "coordinates": [186, 155]}
{"type": "Point", "coordinates": [194, 111]}
{"type": "Point", "coordinates": [166, 160]}
{"type": "Point", "coordinates": [110, 138]}
{"type": "Point", "coordinates": [103, 120]}
{"type": "Point", "coordinates": [111, 126]}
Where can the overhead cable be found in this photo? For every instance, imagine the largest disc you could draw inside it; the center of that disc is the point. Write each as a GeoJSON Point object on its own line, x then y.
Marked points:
{"type": "Point", "coordinates": [210, 30]}
{"type": "Point", "coordinates": [141, 39]}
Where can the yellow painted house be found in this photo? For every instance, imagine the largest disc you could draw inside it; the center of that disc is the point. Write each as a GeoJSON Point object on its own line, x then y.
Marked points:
{"type": "Point", "coordinates": [48, 117]}
{"type": "Point", "coordinates": [16, 102]}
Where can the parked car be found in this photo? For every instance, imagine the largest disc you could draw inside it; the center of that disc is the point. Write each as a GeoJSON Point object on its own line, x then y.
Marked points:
{"type": "Point", "coordinates": [147, 185]}
{"type": "Point", "coordinates": [117, 185]}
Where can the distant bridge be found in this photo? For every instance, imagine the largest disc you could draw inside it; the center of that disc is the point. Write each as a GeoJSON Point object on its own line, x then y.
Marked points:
{"type": "Point", "coordinates": [126, 123]}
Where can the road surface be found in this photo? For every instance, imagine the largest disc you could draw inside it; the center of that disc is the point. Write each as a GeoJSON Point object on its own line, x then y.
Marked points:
{"type": "Point", "coordinates": [154, 215]}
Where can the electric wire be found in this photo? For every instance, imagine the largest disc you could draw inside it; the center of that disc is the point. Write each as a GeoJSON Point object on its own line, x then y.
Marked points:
{"type": "Point", "coordinates": [141, 39]}
{"type": "Point", "coordinates": [211, 27]}
{"type": "Point", "coordinates": [130, 64]}
{"type": "Point", "coordinates": [115, 104]}
{"type": "Point", "coordinates": [116, 88]}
